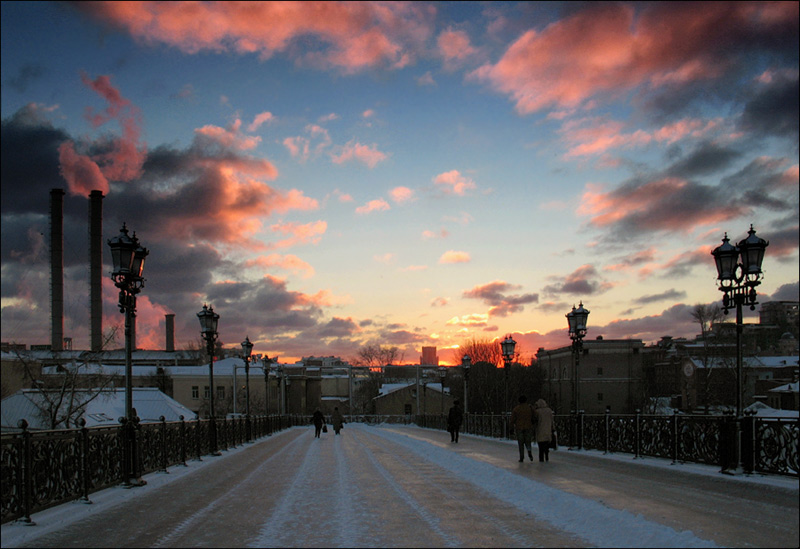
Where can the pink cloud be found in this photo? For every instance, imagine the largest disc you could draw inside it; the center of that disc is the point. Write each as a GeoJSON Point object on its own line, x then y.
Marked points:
{"type": "Point", "coordinates": [83, 175]}
{"type": "Point", "coordinates": [298, 147]}
{"type": "Point", "coordinates": [353, 36]}
{"type": "Point", "coordinates": [368, 155]}
{"type": "Point", "coordinates": [453, 256]}
{"type": "Point", "coordinates": [260, 119]}
{"type": "Point", "coordinates": [453, 182]}
{"type": "Point", "coordinates": [377, 205]}
{"type": "Point", "coordinates": [231, 138]}
{"type": "Point", "coordinates": [401, 194]}
{"type": "Point", "coordinates": [607, 49]}
{"type": "Point", "coordinates": [286, 262]}
{"type": "Point", "coordinates": [593, 136]}
{"type": "Point", "coordinates": [309, 233]}
{"type": "Point", "coordinates": [121, 158]}
{"type": "Point", "coordinates": [472, 320]}
{"type": "Point", "coordinates": [454, 45]}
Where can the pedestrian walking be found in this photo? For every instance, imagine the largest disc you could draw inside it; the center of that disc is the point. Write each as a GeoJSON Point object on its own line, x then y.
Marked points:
{"type": "Point", "coordinates": [522, 422]}
{"type": "Point", "coordinates": [337, 420]}
{"type": "Point", "coordinates": [544, 428]}
{"type": "Point", "coordinates": [319, 421]}
{"type": "Point", "coordinates": [455, 417]}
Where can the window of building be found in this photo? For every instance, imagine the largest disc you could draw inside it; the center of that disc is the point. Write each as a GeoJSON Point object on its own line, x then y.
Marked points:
{"type": "Point", "coordinates": [599, 397]}
{"type": "Point", "coordinates": [220, 391]}
{"type": "Point", "coordinates": [407, 409]}
{"type": "Point", "coordinates": [599, 371]}
{"type": "Point", "coordinates": [195, 392]}
{"type": "Point", "coordinates": [206, 392]}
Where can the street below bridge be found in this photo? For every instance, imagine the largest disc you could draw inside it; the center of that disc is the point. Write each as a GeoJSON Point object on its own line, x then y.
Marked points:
{"type": "Point", "coordinates": [403, 486]}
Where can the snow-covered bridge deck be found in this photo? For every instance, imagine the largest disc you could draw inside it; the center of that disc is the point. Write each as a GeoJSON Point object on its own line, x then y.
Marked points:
{"type": "Point", "coordinates": [398, 486]}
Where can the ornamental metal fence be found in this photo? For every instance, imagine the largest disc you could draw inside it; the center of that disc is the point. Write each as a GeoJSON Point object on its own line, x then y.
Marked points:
{"type": "Point", "coordinates": [767, 444]}
{"type": "Point", "coordinates": [41, 469]}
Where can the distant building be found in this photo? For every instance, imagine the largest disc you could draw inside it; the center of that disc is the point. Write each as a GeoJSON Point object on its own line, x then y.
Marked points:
{"type": "Point", "coordinates": [784, 314]}
{"type": "Point", "coordinates": [401, 399]}
{"type": "Point", "coordinates": [429, 357]}
{"type": "Point", "coordinates": [610, 374]}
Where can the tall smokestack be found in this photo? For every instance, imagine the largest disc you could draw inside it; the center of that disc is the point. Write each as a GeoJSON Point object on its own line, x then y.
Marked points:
{"type": "Point", "coordinates": [57, 269]}
{"type": "Point", "coordinates": [95, 269]}
{"type": "Point", "coordinates": [170, 332]}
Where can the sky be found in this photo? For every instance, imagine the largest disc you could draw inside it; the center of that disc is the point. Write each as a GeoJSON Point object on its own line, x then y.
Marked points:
{"type": "Point", "coordinates": [331, 175]}
{"type": "Point", "coordinates": [594, 522]}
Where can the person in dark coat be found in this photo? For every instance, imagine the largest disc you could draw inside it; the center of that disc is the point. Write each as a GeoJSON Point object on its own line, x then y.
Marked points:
{"type": "Point", "coordinates": [544, 428]}
{"type": "Point", "coordinates": [455, 417]}
{"type": "Point", "coordinates": [522, 422]}
{"type": "Point", "coordinates": [319, 420]}
{"type": "Point", "coordinates": [337, 420]}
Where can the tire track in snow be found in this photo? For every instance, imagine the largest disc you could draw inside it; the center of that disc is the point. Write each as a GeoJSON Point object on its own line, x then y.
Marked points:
{"type": "Point", "coordinates": [570, 513]}
{"type": "Point", "coordinates": [188, 523]}
{"type": "Point", "coordinates": [431, 520]}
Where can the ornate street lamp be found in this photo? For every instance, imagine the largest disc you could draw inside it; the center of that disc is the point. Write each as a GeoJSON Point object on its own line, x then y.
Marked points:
{"type": "Point", "coordinates": [281, 390]}
{"type": "Point", "coordinates": [507, 346]}
{"type": "Point", "coordinates": [576, 320]}
{"type": "Point", "coordinates": [247, 351]}
{"type": "Point", "coordinates": [466, 362]}
{"type": "Point", "coordinates": [442, 375]}
{"type": "Point", "coordinates": [738, 273]}
{"type": "Point", "coordinates": [208, 329]}
{"type": "Point", "coordinates": [128, 256]}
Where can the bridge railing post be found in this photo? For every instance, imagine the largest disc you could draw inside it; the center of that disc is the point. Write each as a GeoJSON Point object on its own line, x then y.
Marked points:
{"type": "Point", "coordinates": [25, 486]}
{"type": "Point", "coordinates": [84, 461]}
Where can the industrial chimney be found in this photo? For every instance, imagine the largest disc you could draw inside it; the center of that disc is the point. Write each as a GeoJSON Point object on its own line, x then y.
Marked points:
{"type": "Point", "coordinates": [95, 269]}
{"type": "Point", "coordinates": [57, 269]}
{"type": "Point", "coordinates": [170, 332]}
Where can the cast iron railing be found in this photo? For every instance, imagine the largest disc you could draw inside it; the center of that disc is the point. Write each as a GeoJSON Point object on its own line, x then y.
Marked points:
{"type": "Point", "coordinates": [41, 469]}
{"type": "Point", "coordinates": [768, 444]}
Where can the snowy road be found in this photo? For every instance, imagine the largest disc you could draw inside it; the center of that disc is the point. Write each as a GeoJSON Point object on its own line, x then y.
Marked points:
{"type": "Point", "coordinates": [410, 487]}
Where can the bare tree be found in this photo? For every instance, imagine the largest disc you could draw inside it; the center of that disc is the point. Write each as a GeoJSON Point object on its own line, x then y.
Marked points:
{"type": "Point", "coordinates": [706, 317]}
{"type": "Point", "coordinates": [480, 350]}
{"type": "Point", "coordinates": [374, 356]}
{"type": "Point", "coordinates": [62, 398]}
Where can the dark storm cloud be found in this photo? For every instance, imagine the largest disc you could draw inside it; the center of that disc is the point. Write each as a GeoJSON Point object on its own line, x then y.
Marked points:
{"type": "Point", "coordinates": [584, 281]}
{"type": "Point", "coordinates": [26, 74]}
{"type": "Point", "coordinates": [707, 158]}
{"type": "Point", "coordinates": [773, 110]}
{"type": "Point", "coordinates": [664, 296]}
{"type": "Point", "coordinates": [787, 292]}
{"type": "Point", "coordinates": [494, 295]}
{"type": "Point", "coordinates": [29, 148]}
{"type": "Point", "coordinates": [401, 337]}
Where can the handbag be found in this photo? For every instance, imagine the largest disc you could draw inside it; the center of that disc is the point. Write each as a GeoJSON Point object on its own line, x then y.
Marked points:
{"type": "Point", "coordinates": [324, 428]}
{"type": "Point", "coordinates": [554, 441]}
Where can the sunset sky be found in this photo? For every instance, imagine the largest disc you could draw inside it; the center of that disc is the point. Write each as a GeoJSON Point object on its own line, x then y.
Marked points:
{"type": "Point", "coordinates": [328, 175]}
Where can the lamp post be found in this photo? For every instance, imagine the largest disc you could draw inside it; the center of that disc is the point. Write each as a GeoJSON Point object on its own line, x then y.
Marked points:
{"type": "Point", "coordinates": [247, 351]}
{"type": "Point", "coordinates": [208, 329]}
{"type": "Point", "coordinates": [576, 319]}
{"type": "Point", "coordinates": [466, 362]}
{"type": "Point", "coordinates": [442, 375]}
{"type": "Point", "coordinates": [128, 257]}
{"type": "Point", "coordinates": [281, 390]}
{"type": "Point", "coordinates": [507, 346]}
{"type": "Point", "coordinates": [738, 273]}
